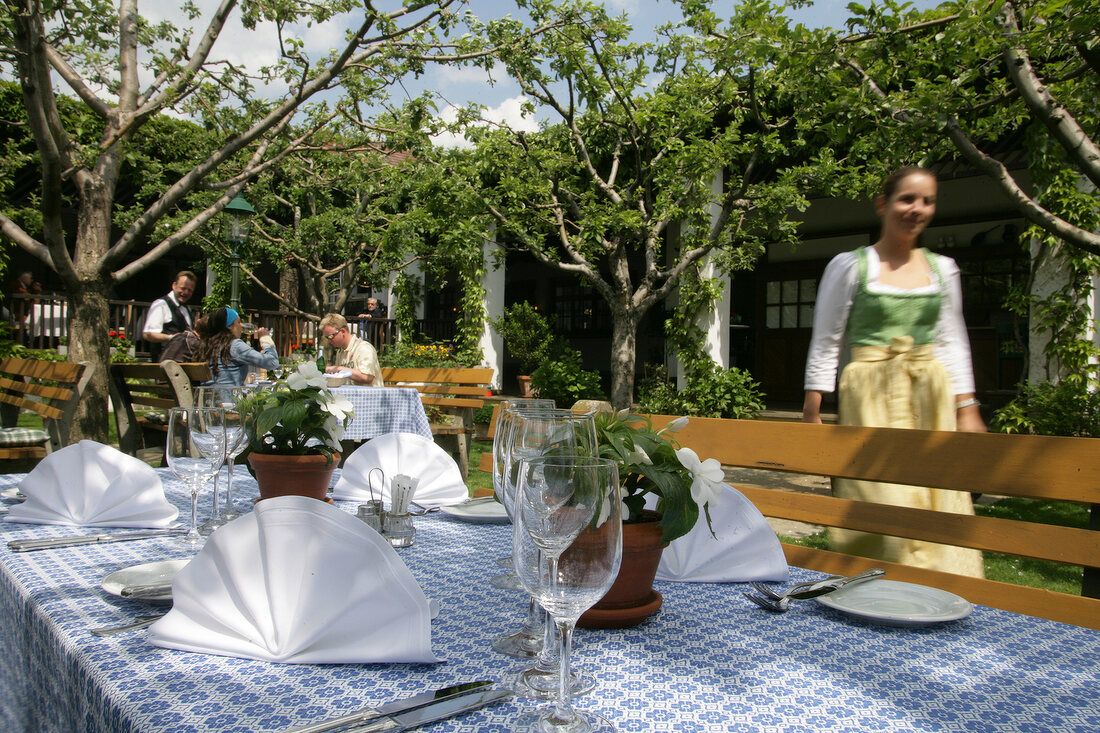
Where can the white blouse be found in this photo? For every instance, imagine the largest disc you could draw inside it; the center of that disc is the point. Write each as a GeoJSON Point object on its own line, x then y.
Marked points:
{"type": "Point", "coordinates": [834, 302]}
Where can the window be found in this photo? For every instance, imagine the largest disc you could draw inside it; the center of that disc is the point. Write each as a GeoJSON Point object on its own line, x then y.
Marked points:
{"type": "Point", "coordinates": [790, 303]}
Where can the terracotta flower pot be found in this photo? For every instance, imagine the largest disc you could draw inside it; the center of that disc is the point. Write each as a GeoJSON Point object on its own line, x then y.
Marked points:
{"type": "Point", "coordinates": [631, 599]}
{"type": "Point", "coordinates": [525, 386]}
{"type": "Point", "coordinates": [280, 475]}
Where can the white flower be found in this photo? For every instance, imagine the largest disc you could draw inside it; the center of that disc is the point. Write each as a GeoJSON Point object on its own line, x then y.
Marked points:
{"type": "Point", "coordinates": [708, 478]}
{"type": "Point", "coordinates": [605, 507]}
{"type": "Point", "coordinates": [675, 426]}
{"type": "Point", "coordinates": [334, 432]}
{"type": "Point", "coordinates": [638, 457]}
{"type": "Point", "coordinates": [308, 375]}
{"type": "Point", "coordinates": [338, 406]}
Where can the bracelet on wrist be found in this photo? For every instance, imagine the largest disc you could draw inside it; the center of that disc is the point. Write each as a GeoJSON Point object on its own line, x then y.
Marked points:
{"type": "Point", "coordinates": [972, 402]}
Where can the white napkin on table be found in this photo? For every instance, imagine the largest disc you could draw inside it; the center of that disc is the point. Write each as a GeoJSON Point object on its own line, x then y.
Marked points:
{"type": "Point", "coordinates": [89, 484]}
{"type": "Point", "coordinates": [743, 548]}
{"type": "Point", "coordinates": [298, 581]}
{"type": "Point", "coordinates": [440, 480]}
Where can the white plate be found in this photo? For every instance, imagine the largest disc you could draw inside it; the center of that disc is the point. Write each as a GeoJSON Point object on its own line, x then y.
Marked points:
{"type": "Point", "coordinates": [485, 512]}
{"type": "Point", "coordinates": [893, 603]}
{"type": "Point", "coordinates": [151, 573]}
{"type": "Point", "coordinates": [11, 494]}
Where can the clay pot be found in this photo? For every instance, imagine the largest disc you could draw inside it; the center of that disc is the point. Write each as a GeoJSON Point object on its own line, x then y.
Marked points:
{"type": "Point", "coordinates": [280, 475]}
{"type": "Point", "coordinates": [631, 599]}
{"type": "Point", "coordinates": [524, 386]}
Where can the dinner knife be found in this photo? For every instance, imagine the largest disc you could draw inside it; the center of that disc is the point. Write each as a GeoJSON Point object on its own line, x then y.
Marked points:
{"type": "Point", "coordinates": [89, 539]}
{"type": "Point", "coordinates": [146, 591]}
{"type": "Point", "coordinates": [434, 711]}
{"type": "Point", "coordinates": [393, 708]}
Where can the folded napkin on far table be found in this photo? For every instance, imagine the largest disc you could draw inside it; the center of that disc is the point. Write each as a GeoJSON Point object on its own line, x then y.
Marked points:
{"type": "Point", "coordinates": [93, 485]}
{"type": "Point", "coordinates": [743, 547]}
{"type": "Point", "coordinates": [300, 582]}
{"type": "Point", "coordinates": [439, 479]}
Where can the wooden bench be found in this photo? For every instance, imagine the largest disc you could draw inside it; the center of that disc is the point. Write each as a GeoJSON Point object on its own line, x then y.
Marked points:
{"type": "Point", "coordinates": [456, 391]}
{"type": "Point", "coordinates": [51, 390]}
{"type": "Point", "coordinates": [153, 388]}
{"type": "Point", "coordinates": [1040, 467]}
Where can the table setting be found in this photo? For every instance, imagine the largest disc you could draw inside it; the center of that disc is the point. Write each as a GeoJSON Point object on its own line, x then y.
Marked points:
{"type": "Point", "coordinates": [300, 616]}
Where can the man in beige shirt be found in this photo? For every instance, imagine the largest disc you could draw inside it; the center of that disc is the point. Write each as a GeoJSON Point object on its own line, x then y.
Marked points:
{"type": "Point", "coordinates": [352, 352]}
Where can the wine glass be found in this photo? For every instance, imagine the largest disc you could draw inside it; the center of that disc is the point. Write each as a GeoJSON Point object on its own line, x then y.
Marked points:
{"type": "Point", "coordinates": [567, 545]}
{"type": "Point", "coordinates": [236, 440]}
{"type": "Point", "coordinates": [533, 433]}
{"type": "Point", "coordinates": [195, 450]}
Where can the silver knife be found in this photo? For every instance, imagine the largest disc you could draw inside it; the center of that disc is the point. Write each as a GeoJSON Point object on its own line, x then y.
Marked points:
{"type": "Point", "coordinates": [146, 591]}
{"type": "Point", "coordinates": [392, 708]}
{"type": "Point", "coordinates": [89, 539]}
{"type": "Point", "coordinates": [434, 711]}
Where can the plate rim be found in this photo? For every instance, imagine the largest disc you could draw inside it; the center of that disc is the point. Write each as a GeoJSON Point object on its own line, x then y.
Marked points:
{"type": "Point", "coordinates": [118, 593]}
{"type": "Point", "coordinates": [458, 512]}
{"type": "Point", "coordinates": [896, 619]}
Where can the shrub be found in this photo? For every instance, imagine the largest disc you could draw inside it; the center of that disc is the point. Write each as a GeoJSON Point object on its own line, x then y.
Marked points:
{"type": "Point", "coordinates": [565, 381]}
{"type": "Point", "coordinates": [657, 395]}
{"type": "Point", "coordinates": [1045, 408]}
{"type": "Point", "coordinates": [411, 355]}
{"type": "Point", "coordinates": [527, 335]}
{"type": "Point", "coordinates": [715, 392]}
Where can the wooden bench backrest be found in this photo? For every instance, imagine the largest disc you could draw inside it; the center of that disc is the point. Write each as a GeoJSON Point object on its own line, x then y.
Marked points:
{"type": "Point", "coordinates": [51, 389]}
{"type": "Point", "coordinates": [1042, 467]}
{"type": "Point", "coordinates": [150, 386]}
{"type": "Point", "coordinates": [445, 387]}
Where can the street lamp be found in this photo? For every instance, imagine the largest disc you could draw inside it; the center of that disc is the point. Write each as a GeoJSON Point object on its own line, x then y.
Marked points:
{"type": "Point", "coordinates": [236, 223]}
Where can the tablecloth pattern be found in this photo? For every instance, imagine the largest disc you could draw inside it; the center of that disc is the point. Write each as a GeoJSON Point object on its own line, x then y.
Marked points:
{"type": "Point", "coordinates": [381, 410]}
{"type": "Point", "coordinates": [708, 661]}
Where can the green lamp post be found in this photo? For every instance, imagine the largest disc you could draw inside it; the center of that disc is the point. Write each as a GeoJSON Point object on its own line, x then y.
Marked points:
{"type": "Point", "coordinates": [236, 224]}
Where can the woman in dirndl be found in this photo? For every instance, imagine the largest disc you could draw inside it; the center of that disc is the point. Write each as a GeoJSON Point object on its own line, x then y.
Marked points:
{"type": "Point", "coordinates": [898, 308]}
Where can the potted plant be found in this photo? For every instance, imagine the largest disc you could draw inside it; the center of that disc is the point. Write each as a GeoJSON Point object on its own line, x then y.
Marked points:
{"type": "Point", "coordinates": [680, 487]}
{"type": "Point", "coordinates": [294, 432]}
{"type": "Point", "coordinates": [528, 336]}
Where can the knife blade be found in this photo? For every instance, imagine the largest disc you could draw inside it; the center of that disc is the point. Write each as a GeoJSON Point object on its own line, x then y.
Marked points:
{"type": "Point", "coordinates": [89, 539]}
{"type": "Point", "coordinates": [434, 712]}
{"type": "Point", "coordinates": [147, 590]}
{"type": "Point", "coordinates": [831, 584]}
{"type": "Point", "coordinates": [393, 708]}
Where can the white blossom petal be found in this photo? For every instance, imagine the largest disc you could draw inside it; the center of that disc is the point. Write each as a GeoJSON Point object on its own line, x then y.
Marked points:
{"type": "Point", "coordinates": [675, 426]}
{"type": "Point", "coordinates": [708, 478]}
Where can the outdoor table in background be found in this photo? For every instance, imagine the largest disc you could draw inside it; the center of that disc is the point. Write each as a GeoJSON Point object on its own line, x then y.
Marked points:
{"type": "Point", "coordinates": [708, 661]}
{"type": "Point", "coordinates": [381, 410]}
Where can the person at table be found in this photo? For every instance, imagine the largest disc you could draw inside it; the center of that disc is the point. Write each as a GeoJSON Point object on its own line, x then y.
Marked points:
{"type": "Point", "coordinates": [169, 315]}
{"type": "Point", "coordinates": [899, 308]}
{"type": "Point", "coordinates": [25, 284]}
{"type": "Point", "coordinates": [352, 352]}
{"type": "Point", "coordinates": [374, 309]}
{"type": "Point", "coordinates": [228, 355]}
{"type": "Point", "coordinates": [185, 345]}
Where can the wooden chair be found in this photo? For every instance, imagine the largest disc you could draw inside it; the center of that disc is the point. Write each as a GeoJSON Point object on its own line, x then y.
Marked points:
{"type": "Point", "coordinates": [152, 388]}
{"type": "Point", "coordinates": [51, 390]}
{"type": "Point", "coordinates": [1033, 466]}
{"type": "Point", "coordinates": [456, 391]}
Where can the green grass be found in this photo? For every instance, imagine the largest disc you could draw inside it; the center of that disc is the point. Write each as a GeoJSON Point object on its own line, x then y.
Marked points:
{"type": "Point", "coordinates": [1010, 568]}
{"type": "Point", "coordinates": [479, 479]}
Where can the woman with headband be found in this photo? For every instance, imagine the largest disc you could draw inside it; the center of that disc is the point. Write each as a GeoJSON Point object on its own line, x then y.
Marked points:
{"type": "Point", "coordinates": [228, 355]}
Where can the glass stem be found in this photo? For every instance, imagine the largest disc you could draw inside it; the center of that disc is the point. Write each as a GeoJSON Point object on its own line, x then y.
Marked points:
{"type": "Point", "coordinates": [194, 530]}
{"type": "Point", "coordinates": [563, 711]}
{"type": "Point", "coordinates": [229, 485]}
{"type": "Point", "coordinates": [216, 477]}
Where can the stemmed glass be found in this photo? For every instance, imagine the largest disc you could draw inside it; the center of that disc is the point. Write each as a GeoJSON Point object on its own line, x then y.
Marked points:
{"type": "Point", "coordinates": [236, 440]}
{"type": "Point", "coordinates": [195, 450]}
{"type": "Point", "coordinates": [567, 545]}
{"type": "Point", "coordinates": [534, 433]}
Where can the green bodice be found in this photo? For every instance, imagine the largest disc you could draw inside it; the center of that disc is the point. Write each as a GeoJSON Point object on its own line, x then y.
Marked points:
{"type": "Point", "coordinates": [878, 317]}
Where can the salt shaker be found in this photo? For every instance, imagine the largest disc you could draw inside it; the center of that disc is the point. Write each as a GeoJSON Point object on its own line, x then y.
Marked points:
{"type": "Point", "coordinates": [372, 514]}
{"type": "Point", "coordinates": [398, 528]}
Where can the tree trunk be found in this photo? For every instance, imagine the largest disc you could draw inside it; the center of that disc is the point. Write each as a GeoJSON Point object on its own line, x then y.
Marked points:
{"type": "Point", "coordinates": [624, 340]}
{"type": "Point", "coordinates": [88, 342]}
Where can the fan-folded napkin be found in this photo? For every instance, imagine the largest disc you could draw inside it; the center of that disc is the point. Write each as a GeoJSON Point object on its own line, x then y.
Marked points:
{"type": "Point", "coordinates": [93, 485]}
{"type": "Point", "coordinates": [743, 548]}
{"type": "Point", "coordinates": [440, 481]}
{"type": "Point", "coordinates": [298, 581]}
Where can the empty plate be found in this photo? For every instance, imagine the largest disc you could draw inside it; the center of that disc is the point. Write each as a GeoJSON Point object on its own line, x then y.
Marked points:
{"type": "Point", "coordinates": [12, 494]}
{"type": "Point", "coordinates": [893, 603]}
{"type": "Point", "coordinates": [150, 573]}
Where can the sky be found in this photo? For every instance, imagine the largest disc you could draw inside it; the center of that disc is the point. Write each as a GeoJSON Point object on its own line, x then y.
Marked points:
{"type": "Point", "coordinates": [461, 86]}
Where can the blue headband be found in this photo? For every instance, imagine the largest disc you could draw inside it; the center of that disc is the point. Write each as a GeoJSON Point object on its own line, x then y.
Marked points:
{"type": "Point", "coordinates": [230, 316]}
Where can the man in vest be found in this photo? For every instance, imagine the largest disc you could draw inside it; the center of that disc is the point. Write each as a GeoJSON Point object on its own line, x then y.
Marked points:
{"type": "Point", "coordinates": [169, 315]}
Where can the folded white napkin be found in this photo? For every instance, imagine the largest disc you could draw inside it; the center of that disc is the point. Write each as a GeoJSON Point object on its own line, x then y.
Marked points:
{"type": "Point", "coordinates": [93, 485]}
{"type": "Point", "coordinates": [440, 481]}
{"type": "Point", "coordinates": [300, 582]}
{"type": "Point", "coordinates": [743, 547]}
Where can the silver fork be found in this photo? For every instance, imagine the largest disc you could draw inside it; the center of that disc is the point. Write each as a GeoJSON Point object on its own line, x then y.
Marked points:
{"type": "Point", "coordinates": [779, 602]}
{"type": "Point", "coordinates": [142, 622]}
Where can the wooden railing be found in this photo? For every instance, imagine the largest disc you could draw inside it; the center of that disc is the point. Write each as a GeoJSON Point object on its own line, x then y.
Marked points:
{"type": "Point", "coordinates": [42, 322]}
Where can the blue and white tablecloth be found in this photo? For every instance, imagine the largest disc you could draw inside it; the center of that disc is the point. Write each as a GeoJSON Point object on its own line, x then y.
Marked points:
{"type": "Point", "coordinates": [708, 661]}
{"type": "Point", "coordinates": [381, 410]}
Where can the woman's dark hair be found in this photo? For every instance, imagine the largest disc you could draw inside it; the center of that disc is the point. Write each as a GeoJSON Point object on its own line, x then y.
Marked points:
{"type": "Point", "coordinates": [891, 183]}
{"type": "Point", "coordinates": [216, 338]}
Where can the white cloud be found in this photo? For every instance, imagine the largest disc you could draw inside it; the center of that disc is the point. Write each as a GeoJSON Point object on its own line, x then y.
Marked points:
{"type": "Point", "coordinates": [509, 112]}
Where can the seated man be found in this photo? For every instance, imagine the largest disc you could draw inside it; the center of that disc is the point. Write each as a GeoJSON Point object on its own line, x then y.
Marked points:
{"type": "Point", "coordinates": [352, 352]}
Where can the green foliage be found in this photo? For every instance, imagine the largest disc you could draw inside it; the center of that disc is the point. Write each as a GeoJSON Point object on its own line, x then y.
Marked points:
{"type": "Point", "coordinates": [710, 392]}
{"type": "Point", "coordinates": [408, 290]}
{"type": "Point", "coordinates": [527, 335]}
{"type": "Point", "coordinates": [1069, 407]}
{"type": "Point", "coordinates": [483, 416]}
{"type": "Point", "coordinates": [565, 381]}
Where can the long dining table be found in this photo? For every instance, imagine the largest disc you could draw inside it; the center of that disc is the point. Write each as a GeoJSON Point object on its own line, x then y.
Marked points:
{"type": "Point", "coordinates": [707, 661]}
